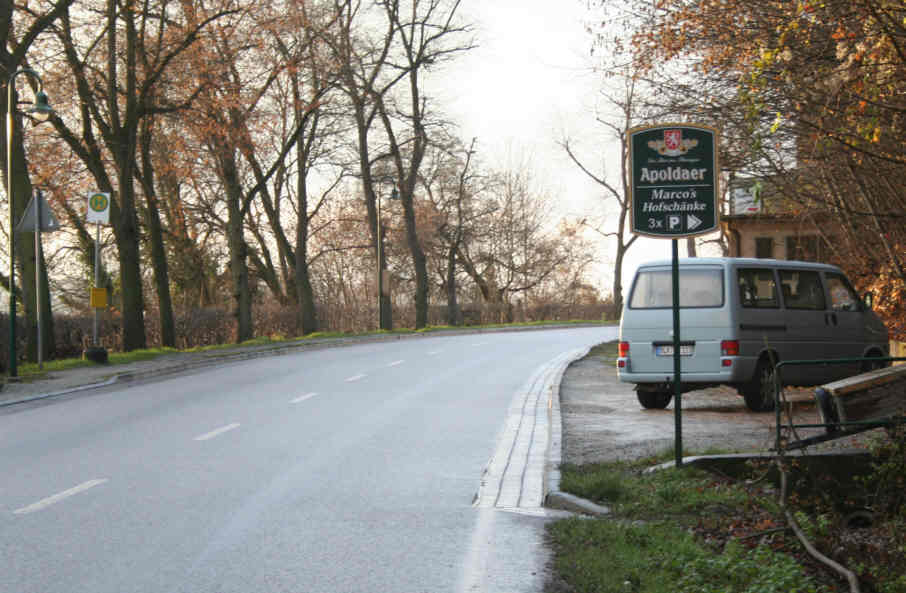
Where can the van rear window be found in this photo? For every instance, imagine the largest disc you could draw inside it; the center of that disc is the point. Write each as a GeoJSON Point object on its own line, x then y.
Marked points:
{"type": "Point", "coordinates": [698, 287]}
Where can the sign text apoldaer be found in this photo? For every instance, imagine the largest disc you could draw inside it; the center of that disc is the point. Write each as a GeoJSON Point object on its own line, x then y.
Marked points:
{"type": "Point", "coordinates": [674, 180]}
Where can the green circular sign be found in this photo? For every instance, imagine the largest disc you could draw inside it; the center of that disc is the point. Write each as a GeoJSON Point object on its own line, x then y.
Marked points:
{"type": "Point", "coordinates": [98, 202]}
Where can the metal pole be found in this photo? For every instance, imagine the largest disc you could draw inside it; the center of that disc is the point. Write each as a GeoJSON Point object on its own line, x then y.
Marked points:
{"type": "Point", "coordinates": [677, 361]}
{"type": "Point", "coordinates": [380, 268]}
{"type": "Point", "coordinates": [37, 199]}
{"type": "Point", "coordinates": [97, 281]}
{"type": "Point", "coordinates": [12, 228]}
{"type": "Point", "coordinates": [13, 373]}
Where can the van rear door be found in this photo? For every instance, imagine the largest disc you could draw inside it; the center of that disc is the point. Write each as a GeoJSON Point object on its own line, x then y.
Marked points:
{"type": "Point", "coordinates": [704, 317]}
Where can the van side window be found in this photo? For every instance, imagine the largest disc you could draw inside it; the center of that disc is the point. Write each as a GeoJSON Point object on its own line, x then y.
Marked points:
{"type": "Point", "coordinates": [757, 289]}
{"type": "Point", "coordinates": [802, 290]}
{"type": "Point", "coordinates": [842, 295]}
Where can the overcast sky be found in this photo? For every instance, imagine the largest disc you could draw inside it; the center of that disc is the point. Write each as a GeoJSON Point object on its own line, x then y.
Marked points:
{"type": "Point", "coordinates": [527, 85]}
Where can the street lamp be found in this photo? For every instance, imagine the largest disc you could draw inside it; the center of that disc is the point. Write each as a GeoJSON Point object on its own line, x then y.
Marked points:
{"type": "Point", "coordinates": [394, 194]}
{"type": "Point", "coordinates": [41, 111]}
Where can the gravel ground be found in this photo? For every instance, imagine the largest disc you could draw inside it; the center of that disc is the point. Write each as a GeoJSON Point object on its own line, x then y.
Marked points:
{"type": "Point", "coordinates": [603, 421]}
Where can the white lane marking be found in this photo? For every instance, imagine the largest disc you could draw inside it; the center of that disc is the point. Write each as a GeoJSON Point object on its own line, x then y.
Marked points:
{"type": "Point", "coordinates": [43, 504]}
{"type": "Point", "coordinates": [217, 432]}
{"type": "Point", "coordinates": [434, 352]}
{"type": "Point", "coordinates": [302, 398]}
{"type": "Point", "coordinates": [396, 363]}
{"type": "Point", "coordinates": [479, 343]}
{"type": "Point", "coordinates": [355, 378]}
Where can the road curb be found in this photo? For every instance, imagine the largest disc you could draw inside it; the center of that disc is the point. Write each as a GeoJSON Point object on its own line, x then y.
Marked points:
{"type": "Point", "coordinates": [565, 501]}
{"type": "Point", "coordinates": [554, 498]}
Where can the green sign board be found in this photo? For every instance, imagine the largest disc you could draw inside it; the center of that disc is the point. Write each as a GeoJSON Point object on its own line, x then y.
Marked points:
{"type": "Point", "coordinates": [674, 180]}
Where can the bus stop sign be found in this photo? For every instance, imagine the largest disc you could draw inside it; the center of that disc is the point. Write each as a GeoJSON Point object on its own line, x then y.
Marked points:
{"type": "Point", "coordinates": [674, 185]}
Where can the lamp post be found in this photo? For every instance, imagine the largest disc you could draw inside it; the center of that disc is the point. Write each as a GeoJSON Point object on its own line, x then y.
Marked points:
{"type": "Point", "coordinates": [41, 111]}
{"type": "Point", "coordinates": [394, 194]}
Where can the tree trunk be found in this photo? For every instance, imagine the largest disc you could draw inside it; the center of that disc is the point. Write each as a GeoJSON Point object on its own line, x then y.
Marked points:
{"type": "Point", "coordinates": [126, 233]}
{"type": "Point", "coordinates": [690, 247]}
{"type": "Point", "coordinates": [161, 275]}
{"type": "Point", "coordinates": [158, 252]}
{"type": "Point", "coordinates": [618, 280]}
{"type": "Point", "coordinates": [239, 274]}
{"type": "Point", "coordinates": [307, 316]}
{"type": "Point", "coordinates": [122, 142]}
{"type": "Point", "coordinates": [419, 262]}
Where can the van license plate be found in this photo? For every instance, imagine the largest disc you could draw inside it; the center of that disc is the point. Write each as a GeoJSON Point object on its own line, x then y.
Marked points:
{"type": "Point", "coordinates": [684, 350]}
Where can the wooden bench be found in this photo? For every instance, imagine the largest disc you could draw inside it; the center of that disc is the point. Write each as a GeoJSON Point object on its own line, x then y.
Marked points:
{"type": "Point", "coordinates": [874, 396]}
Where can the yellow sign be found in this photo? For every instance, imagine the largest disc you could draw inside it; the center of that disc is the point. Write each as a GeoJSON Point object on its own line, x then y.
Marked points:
{"type": "Point", "coordinates": [98, 298]}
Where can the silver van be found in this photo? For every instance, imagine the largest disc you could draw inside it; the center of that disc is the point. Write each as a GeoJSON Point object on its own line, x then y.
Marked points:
{"type": "Point", "coordinates": [738, 318]}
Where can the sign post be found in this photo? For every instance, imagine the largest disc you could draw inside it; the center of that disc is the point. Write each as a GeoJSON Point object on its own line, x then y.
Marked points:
{"type": "Point", "coordinates": [673, 192]}
{"type": "Point", "coordinates": [38, 217]}
{"type": "Point", "coordinates": [98, 211]}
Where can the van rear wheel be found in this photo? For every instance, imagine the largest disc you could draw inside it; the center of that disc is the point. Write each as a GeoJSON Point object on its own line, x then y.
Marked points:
{"type": "Point", "coordinates": [654, 400]}
{"type": "Point", "coordinates": [873, 365]}
{"type": "Point", "coordinates": [759, 392]}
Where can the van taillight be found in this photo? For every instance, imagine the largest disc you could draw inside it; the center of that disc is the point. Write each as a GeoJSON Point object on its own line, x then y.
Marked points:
{"type": "Point", "coordinates": [624, 349]}
{"type": "Point", "coordinates": [729, 348]}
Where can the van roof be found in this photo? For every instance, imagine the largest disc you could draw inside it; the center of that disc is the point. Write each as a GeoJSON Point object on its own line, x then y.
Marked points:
{"type": "Point", "coordinates": [737, 262]}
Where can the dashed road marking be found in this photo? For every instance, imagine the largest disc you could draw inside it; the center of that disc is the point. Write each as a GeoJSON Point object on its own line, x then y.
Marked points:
{"type": "Point", "coordinates": [396, 363]}
{"type": "Point", "coordinates": [217, 432]}
{"type": "Point", "coordinates": [302, 398]}
{"type": "Point", "coordinates": [50, 500]}
{"type": "Point", "coordinates": [355, 378]}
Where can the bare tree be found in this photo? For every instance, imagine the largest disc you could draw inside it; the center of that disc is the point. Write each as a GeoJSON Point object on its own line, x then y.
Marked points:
{"type": "Point", "coordinates": [382, 78]}
{"type": "Point", "coordinates": [515, 249]}
{"type": "Point", "coordinates": [618, 128]}
{"type": "Point", "coordinates": [12, 58]}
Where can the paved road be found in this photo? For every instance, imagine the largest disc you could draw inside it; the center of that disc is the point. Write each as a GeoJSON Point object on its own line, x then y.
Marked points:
{"type": "Point", "coordinates": [350, 469]}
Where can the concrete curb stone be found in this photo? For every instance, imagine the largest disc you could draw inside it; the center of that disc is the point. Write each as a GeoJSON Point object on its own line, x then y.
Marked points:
{"type": "Point", "coordinates": [554, 498]}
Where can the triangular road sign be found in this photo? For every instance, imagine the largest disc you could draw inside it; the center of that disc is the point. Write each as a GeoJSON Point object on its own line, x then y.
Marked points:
{"type": "Point", "coordinates": [48, 220]}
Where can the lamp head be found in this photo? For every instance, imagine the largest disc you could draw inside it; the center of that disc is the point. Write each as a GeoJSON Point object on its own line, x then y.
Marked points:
{"type": "Point", "coordinates": [41, 109]}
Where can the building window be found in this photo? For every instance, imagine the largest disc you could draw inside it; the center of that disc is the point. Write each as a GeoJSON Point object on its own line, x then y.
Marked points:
{"type": "Point", "coordinates": [804, 248]}
{"type": "Point", "coordinates": [764, 247]}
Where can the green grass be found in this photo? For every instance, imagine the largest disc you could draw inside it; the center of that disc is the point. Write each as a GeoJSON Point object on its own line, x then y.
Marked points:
{"type": "Point", "coordinates": [678, 493]}
{"type": "Point", "coordinates": [659, 557]}
{"type": "Point", "coordinates": [648, 547]}
{"type": "Point", "coordinates": [30, 370]}
{"type": "Point", "coordinates": [606, 352]}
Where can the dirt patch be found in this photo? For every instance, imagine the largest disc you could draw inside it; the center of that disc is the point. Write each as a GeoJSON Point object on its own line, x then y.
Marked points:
{"type": "Point", "coordinates": [603, 421]}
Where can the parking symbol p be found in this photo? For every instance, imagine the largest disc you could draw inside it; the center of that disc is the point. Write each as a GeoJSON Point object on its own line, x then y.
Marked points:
{"type": "Point", "coordinates": [674, 222]}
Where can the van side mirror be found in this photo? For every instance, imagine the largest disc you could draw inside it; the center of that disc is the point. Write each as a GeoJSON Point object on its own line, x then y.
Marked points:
{"type": "Point", "coordinates": [868, 299]}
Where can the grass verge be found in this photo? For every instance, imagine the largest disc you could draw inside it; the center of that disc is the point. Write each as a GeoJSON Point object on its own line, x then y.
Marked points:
{"type": "Point", "coordinates": [30, 371]}
{"type": "Point", "coordinates": [659, 537]}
